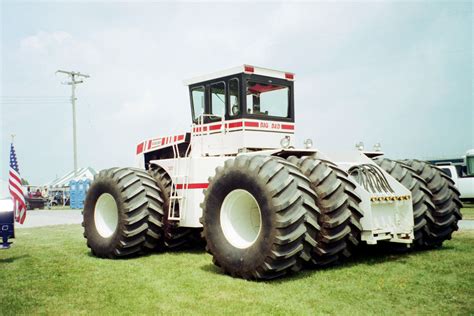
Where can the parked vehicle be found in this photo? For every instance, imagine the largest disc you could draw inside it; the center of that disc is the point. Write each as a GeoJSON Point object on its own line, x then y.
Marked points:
{"type": "Point", "coordinates": [461, 170]}
{"type": "Point", "coordinates": [463, 182]}
{"type": "Point", "coordinates": [58, 197]}
{"type": "Point", "coordinates": [35, 202]}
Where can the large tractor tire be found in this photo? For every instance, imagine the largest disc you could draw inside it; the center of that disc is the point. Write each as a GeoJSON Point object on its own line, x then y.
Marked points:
{"type": "Point", "coordinates": [119, 208]}
{"type": "Point", "coordinates": [340, 212]}
{"type": "Point", "coordinates": [174, 237]}
{"type": "Point", "coordinates": [423, 206]}
{"type": "Point", "coordinates": [443, 220]}
{"type": "Point", "coordinates": [312, 213]}
{"type": "Point", "coordinates": [254, 218]}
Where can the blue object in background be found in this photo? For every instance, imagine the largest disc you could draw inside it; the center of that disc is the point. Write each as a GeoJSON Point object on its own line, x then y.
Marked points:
{"type": "Point", "coordinates": [77, 192]}
{"type": "Point", "coordinates": [7, 228]}
{"type": "Point", "coordinates": [73, 194]}
{"type": "Point", "coordinates": [81, 193]}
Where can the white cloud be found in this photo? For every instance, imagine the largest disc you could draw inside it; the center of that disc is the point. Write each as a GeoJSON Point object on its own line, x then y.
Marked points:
{"type": "Point", "coordinates": [44, 41]}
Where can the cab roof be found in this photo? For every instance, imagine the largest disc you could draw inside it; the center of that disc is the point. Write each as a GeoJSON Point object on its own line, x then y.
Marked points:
{"type": "Point", "coordinates": [248, 69]}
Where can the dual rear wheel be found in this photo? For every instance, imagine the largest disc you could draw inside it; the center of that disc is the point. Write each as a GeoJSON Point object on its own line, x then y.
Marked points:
{"type": "Point", "coordinates": [264, 217]}
{"type": "Point", "coordinates": [436, 203]}
{"type": "Point", "coordinates": [125, 214]}
{"type": "Point", "coordinates": [122, 213]}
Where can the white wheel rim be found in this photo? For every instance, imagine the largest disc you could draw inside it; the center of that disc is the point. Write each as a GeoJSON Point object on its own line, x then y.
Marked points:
{"type": "Point", "coordinates": [106, 215]}
{"type": "Point", "coordinates": [241, 219]}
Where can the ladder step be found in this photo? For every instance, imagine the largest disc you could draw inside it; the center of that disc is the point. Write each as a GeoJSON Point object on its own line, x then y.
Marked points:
{"type": "Point", "coordinates": [176, 197]}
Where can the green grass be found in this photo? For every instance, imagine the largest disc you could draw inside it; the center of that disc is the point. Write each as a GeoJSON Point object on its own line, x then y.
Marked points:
{"type": "Point", "coordinates": [468, 211]}
{"type": "Point", "coordinates": [49, 270]}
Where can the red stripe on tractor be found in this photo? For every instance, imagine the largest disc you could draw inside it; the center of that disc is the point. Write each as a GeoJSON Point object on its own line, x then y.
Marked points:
{"type": "Point", "coordinates": [266, 127]}
{"type": "Point", "coordinates": [139, 148]}
{"type": "Point", "coordinates": [180, 137]}
{"type": "Point", "coordinates": [214, 127]}
{"type": "Point", "coordinates": [235, 124]}
{"type": "Point", "coordinates": [193, 186]}
{"type": "Point", "coordinates": [251, 124]}
{"type": "Point", "coordinates": [200, 129]}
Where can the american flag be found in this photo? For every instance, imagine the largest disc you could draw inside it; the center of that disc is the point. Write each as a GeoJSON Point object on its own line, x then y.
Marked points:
{"type": "Point", "coordinates": [15, 188]}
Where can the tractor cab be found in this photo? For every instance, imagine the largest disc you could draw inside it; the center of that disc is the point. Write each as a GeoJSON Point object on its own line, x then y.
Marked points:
{"type": "Point", "coordinates": [244, 92]}
{"type": "Point", "coordinates": [245, 108]}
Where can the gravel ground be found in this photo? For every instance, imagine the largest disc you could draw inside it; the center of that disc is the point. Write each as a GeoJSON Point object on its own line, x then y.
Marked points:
{"type": "Point", "coordinates": [466, 224]}
{"type": "Point", "coordinates": [38, 218]}
{"type": "Point", "coordinates": [68, 216]}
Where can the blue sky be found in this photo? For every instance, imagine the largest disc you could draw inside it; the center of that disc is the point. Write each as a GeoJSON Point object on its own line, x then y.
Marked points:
{"type": "Point", "coordinates": [399, 73]}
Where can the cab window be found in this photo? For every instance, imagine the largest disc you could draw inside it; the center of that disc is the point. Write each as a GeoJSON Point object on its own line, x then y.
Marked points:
{"type": "Point", "coordinates": [197, 96]}
{"type": "Point", "coordinates": [447, 171]}
{"type": "Point", "coordinates": [218, 100]}
{"type": "Point", "coordinates": [267, 99]}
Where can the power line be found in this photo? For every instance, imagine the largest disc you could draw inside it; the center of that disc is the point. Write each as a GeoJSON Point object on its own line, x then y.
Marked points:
{"type": "Point", "coordinates": [31, 96]}
{"type": "Point", "coordinates": [32, 99]}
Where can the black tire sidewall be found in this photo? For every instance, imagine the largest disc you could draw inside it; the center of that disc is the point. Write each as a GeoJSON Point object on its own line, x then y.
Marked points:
{"type": "Point", "coordinates": [231, 257]}
{"type": "Point", "coordinates": [103, 246]}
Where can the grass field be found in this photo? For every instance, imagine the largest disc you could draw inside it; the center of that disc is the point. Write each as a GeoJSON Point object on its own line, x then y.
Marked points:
{"type": "Point", "coordinates": [49, 270]}
{"type": "Point", "coordinates": [468, 211]}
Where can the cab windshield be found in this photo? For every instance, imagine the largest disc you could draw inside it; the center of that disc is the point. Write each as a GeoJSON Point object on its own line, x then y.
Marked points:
{"type": "Point", "coordinates": [267, 99]}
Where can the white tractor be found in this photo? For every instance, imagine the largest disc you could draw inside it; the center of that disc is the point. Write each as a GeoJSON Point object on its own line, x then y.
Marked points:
{"type": "Point", "coordinates": [263, 206]}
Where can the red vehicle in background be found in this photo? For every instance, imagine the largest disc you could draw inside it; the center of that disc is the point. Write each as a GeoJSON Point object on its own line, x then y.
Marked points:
{"type": "Point", "coordinates": [35, 199]}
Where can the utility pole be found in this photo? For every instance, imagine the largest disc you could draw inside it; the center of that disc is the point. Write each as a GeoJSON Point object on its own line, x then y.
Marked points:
{"type": "Point", "coordinates": [75, 79]}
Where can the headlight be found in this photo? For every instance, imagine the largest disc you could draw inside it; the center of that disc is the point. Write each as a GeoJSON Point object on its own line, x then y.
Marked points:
{"type": "Point", "coordinates": [377, 147]}
{"type": "Point", "coordinates": [285, 142]}
{"type": "Point", "coordinates": [308, 143]}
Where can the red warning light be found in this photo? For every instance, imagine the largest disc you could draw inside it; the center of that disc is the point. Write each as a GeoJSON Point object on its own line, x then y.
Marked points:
{"type": "Point", "coordinates": [249, 69]}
